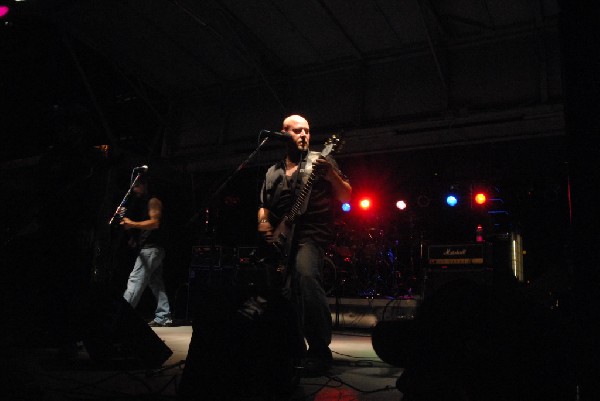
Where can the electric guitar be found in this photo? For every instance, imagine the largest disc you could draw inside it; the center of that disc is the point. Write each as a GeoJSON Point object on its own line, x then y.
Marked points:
{"type": "Point", "coordinates": [283, 234]}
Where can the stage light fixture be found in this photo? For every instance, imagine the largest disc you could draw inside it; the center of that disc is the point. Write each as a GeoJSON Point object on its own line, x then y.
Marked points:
{"type": "Point", "coordinates": [423, 201]}
{"type": "Point", "coordinates": [480, 198]}
{"type": "Point", "coordinates": [365, 204]}
{"type": "Point", "coordinates": [451, 200]}
{"type": "Point", "coordinates": [346, 207]}
{"type": "Point", "coordinates": [401, 205]}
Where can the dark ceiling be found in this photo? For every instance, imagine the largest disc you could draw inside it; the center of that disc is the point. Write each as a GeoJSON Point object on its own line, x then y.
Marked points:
{"type": "Point", "coordinates": [179, 78]}
{"type": "Point", "coordinates": [178, 46]}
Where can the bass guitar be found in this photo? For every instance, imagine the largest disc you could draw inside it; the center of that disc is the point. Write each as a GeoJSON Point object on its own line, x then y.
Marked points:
{"type": "Point", "coordinates": [283, 233]}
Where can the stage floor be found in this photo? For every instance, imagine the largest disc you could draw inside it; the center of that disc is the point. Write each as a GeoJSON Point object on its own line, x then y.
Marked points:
{"type": "Point", "coordinates": [38, 373]}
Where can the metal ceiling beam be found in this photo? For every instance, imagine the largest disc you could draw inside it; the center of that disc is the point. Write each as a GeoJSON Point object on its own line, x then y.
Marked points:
{"type": "Point", "coordinates": [389, 23]}
{"type": "Point", "coordinates": [436, 60]}
{"type": "Point", "coordinates": [469, 22]}
{"type": "Point", "coordinates": [90, 91]}
{"type": "Point", "coordinates": [362, 79]}
{"type": "Point", "coordinates": [241, 47]}
{"type": "Point", "coordinates": [489, 13]}
{"type": "Point", "coordinates": [175, 43]}
{"type": "Point", "coordinates": [298, 31]}
{"type": "Point", "coordinates": [415, 51]}
{"type": "Point", "coordinates": [248, 58]}
{"type": "Point", "coordinates": [337, 23]}
{"type": "Point", "coordinates": [436, 20]}
{"type": "Point", "coordinates": [543, 54]}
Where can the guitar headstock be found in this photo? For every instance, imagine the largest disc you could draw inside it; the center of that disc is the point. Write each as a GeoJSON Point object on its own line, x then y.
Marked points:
{"type": "Point", "coordinates": [333, 144]}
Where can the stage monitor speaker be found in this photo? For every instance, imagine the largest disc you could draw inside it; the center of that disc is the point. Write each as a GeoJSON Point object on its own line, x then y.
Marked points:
{"type": "Point", "coordinates": [117, 335]}
{"type": "Point", "coordinates": [435, 278]}
{"type": "Point", "coordinates": [241, 350]}
{"type": "Point", "coordinates": [393, 341]}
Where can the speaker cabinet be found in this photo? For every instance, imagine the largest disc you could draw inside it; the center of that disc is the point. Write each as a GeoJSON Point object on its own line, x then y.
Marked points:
{"type": "Point", "coordinates": [116, 334]}
{"type": "Point", "coordinates": [436, 278]}
{"type": "Point", "coordinates": [235, 356]}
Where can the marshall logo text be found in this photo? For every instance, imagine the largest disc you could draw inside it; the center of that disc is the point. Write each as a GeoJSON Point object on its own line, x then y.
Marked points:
{"type": "Point", "coordinates": [455, 252]}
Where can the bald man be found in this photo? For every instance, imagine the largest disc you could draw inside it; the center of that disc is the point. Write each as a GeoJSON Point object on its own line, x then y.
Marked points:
{"type": "Point", "coordinates": [312, 234]}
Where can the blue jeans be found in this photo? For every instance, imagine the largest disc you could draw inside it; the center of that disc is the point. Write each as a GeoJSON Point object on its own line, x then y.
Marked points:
{"type": "Point", "coordinates": [147, 272]}
{"type": "Point", "coordinates": [312, 302]}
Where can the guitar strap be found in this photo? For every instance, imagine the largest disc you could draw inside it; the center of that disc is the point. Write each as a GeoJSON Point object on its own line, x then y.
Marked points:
{"type": "Point", "coordinates": [298, 179]}
{"type": "Point", "coordinates": [312, 156]}
{"type": "Point", "coordinates": [279, 187]}
{"type": "Point", "coordinates": [299, 176]}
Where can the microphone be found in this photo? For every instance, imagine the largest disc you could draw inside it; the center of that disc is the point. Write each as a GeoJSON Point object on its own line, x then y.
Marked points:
{"type": "Point", "coordinates": [141, 169]}
{"type": "Point", "coordinates": [276, 134]}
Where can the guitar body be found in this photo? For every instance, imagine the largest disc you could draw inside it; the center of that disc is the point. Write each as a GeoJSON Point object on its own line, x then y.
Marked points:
{"type": "Point", "coordinates": [281, 250]}
{"type": "Point", "coordinates": [283, 237]}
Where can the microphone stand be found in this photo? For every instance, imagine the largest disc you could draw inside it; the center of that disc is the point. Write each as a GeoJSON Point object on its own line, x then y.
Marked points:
{"type": "Point", "coordinates": [224, 184]}
{"type": "Point", "coordinates": [125, 198]}
{"type": "Point", "coordinates": [210, 202]}
{"type": "Point", "coordinates": [113, 248]}
{"type": "Point", "coordinates": [237, 170]}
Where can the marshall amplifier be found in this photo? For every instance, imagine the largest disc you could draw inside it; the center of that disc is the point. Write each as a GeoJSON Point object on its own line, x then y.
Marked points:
{"type": "Point", "coordinates": [454, 263]}
{"type": "Point", "coordinates": [212, 257]}
{"type": "Point", "coordinates": [471, 255]}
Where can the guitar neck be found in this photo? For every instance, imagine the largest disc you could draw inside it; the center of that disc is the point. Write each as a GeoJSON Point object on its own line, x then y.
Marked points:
{"type": "Point", "coordinates": [297, 207]}
{"type": "Point", "coordinates": [332, 144]}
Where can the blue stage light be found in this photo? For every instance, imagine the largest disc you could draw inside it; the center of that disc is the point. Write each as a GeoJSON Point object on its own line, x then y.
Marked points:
{"type": "Point", "coordinates": [451, 200]}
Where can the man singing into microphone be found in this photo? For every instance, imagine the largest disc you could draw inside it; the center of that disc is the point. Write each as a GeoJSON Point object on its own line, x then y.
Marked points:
{"type": "Point", "coordinates": [144, 225]}
{"type": "Point", "coordinates": [313, 232]}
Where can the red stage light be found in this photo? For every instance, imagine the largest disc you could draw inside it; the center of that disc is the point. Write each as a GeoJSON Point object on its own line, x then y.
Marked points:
{"type": "Point", "coordinates": [480, 198]}
{"type": "Point", "coordinates": [365, 204]}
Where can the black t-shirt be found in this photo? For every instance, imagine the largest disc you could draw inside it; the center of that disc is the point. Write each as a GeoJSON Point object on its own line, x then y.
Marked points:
{"type": "Point", "coordinates": [278, 195]}
{"type": "Point", "coordinates": [137, 210]}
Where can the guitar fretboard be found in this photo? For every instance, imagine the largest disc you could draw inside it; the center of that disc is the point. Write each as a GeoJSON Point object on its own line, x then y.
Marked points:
{"type": "Point", "coordinates": [296, 208]}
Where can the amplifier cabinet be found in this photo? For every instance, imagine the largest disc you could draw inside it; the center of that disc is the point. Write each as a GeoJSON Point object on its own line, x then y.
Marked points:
{"type": "Point", "coordinates": [212, 257]}
{"type": "Point", "coordinates": [435, 278]}
{"type": "Point", "coordinates": [466, 255]}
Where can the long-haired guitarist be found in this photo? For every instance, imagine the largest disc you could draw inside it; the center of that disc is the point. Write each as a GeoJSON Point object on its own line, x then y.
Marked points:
{"type": "Point", "coordinates": [144, 222]}
{"type": "Point", "coordinates": [310, 233]}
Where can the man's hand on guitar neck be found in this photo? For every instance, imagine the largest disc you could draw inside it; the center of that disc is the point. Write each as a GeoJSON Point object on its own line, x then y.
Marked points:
{"type": "Point", "coordinates": [341, 188]}
{"type": "Point", "coordinates": [324, 168]}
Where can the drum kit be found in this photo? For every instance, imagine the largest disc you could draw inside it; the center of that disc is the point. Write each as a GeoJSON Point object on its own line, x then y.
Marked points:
{"type": "Point", "coordinates": [365, 262]}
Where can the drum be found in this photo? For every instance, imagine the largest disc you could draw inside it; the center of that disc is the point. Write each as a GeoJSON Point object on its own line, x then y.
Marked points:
{"type": "Point", "coordinates": [343, 252]}
{"type": "Point", "coordinates": [343, 246]}
{"type": "Point", "coordinates": [339, 279]}
{"type": "Point", "coordinates": [373, 243]}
